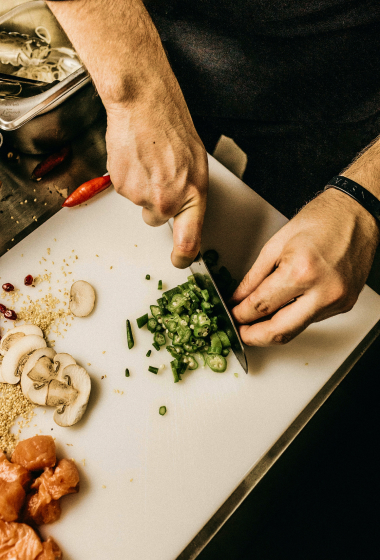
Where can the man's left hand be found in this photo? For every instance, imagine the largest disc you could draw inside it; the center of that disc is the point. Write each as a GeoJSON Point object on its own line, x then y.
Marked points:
{"type": "Point", "coordinates": [313, 268]}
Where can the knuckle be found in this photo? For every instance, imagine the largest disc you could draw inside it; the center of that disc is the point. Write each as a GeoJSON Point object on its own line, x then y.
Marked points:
{"type": "Point", "coordinates": [339, 294]}
{"type": "Point", "coordinates": [305, 271]}
{"type": "Point", "coordinates": [262, 307]}
{"type": "Point", "coordinates": [281, 338]}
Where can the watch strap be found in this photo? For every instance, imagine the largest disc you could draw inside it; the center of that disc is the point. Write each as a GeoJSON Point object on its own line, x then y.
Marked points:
{"type": "Point", "coordinates": [358, 193]}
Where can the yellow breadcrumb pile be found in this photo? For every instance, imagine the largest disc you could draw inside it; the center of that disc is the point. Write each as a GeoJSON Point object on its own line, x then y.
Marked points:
{"type": "Point", "coordinates": [44, 312]}
{"type": "Point", "coordinates": [12, 405]}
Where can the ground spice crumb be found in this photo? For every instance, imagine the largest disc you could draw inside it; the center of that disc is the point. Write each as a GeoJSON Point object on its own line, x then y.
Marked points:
{"type": "Point", "coordinates": [103, 352]}
{"type": "Point", "coordinates": [104, 486]}
{"type": "Point", "coordinates": [13, 404]}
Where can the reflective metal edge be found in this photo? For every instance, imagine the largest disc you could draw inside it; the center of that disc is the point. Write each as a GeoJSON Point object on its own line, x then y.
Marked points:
{"type": "Point", "coordinates": [70, 84]}
{"type": "Point", "coordinates": [195, 547]}
{"type": "Point", "coordinates": [199, 266]}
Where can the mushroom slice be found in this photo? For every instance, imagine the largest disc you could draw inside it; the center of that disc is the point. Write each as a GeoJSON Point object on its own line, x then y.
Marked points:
{"type": "Point", "coordinates": [70, 397]}
{"type": "Point", "coordinates": [10, 367]}
{"type": "Point", "coordinates": [37, 361]}
{"type": "Point", "coordinates": [82, 298]}
{"type": "Point", "coordinates": [60, 362]}
{"type": "Point", "coordinates": [13, 335]}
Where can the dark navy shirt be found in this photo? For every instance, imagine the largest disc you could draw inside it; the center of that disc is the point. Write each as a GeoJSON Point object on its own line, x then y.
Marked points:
{"type": "Point", "coordinates": [274, 60]}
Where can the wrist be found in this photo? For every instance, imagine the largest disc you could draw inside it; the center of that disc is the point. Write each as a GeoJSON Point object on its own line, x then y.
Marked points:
{"type": "Point", "coordinates": [350, 212]}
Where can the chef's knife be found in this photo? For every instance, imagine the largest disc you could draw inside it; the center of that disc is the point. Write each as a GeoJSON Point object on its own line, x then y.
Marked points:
{"type": "Point", "coordinates": [205, 280]}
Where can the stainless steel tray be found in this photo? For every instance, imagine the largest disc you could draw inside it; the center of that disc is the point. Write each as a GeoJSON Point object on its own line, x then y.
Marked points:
{"type": "Point", "coordinates": [24, 19]}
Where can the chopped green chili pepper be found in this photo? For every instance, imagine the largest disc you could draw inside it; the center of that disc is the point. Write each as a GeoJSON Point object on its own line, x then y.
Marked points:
{"type": "Point", "coordinates": [141, 321]}
{"type": "Point", "coordinates": [191, 362]}
{"type": "Point", "coordinates": [188, 315]}
{"type": "Point", "coordinates": [147, 277]}
{"type": "Point", "coordinates": [153, 369]}
{"type": "Point", "coordinates": [216, 362]}
{"type": "Point", "coordinates": [160, 284]}
{"type": "Point", "coordinates": [127, 372]}
{"type": "Point", "coordinates": [155, 310]}
{"type": "Point", "coordinates": [159, 338]}
{"type": "Point", "coordinates": [162, 410]}
{"type": "Point", "coordinates": [216, 344]}
{"type": "Point", "coordinates": [201, 331]}
{"type": "Point", "coordinates": [148, 353]}
{"type": "Point", "coordinates": [205, 295]}
{"type": "Point", "coordinates": [152, 324]}
{"type": "Point", "coordinates": [224, 339]}
{"type": "Point", "coordinates": [175, 372]}
{"type": "Point", "coordinates": [130, 340]}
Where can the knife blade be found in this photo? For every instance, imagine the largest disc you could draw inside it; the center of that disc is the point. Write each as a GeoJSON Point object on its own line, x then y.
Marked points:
{"type": "Point", "coordinates": [205, 280]}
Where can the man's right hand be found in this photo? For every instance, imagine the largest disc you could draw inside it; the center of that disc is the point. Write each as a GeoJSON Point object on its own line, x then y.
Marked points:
{"type": "Point", "coordinates": [157, 160]}
{"type": "Point", "coordinates": [155, 156]}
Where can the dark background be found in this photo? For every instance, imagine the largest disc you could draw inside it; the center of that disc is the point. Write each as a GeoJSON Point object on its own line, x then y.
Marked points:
{"type": "Point", "coordinates": [321, 499]}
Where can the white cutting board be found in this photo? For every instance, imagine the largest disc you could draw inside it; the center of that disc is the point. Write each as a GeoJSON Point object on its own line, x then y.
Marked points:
{"type": "Point", "coordinates": [150, 483]}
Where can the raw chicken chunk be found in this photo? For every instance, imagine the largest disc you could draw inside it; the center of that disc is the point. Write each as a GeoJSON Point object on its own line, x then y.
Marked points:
{"type": "Point", "coordinates": [18, 542]}
{"type": "Point", "coordinates": [12, 496]}
{"type": "Point", "coordinates": [41, 509]}
{"type": "Point", "coordinates": [51, 551]}
{"type": "Point", "coordinates": [35, 453]}
{"type": "Point", "coordinates": [64, 479]}
{"type": "Point", "coordinates": [10, 472]}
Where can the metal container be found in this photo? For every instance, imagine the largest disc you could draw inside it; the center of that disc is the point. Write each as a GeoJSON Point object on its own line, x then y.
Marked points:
{"type": "Point", "coordinates": [37, 117]}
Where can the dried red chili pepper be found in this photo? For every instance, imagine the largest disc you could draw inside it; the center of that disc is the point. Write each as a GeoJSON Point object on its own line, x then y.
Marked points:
{"type": "Point", "coordinates": [10, 314]}
{"type": "Point", "coordinates": [50, 163]}
{"type": "Point", "coordinates": [87, 191]}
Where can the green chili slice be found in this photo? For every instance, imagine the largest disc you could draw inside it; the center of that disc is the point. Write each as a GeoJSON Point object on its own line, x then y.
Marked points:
{"type": "Point", "coordinates": [130, 340]}
{"type": "Point", "coordinates": [141, 321]}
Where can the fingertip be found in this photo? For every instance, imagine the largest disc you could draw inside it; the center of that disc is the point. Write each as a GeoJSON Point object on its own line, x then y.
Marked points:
{"type": "Point", "coordinates": [181, 261]}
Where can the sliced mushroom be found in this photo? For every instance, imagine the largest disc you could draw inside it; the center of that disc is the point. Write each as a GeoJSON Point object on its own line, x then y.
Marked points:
{"type": "Point", "coordinates": [10, 368]}
{"type": "Point", "coordinates": [36, 391]}
{"type": "Point", "coordinates": [71, 396]}
{"type": "Point", "coordinates": [60, 362]}
{"type": "Point", "coordinates": [15, 334]}
{"type": "Point", "coordinates": [82, 298]}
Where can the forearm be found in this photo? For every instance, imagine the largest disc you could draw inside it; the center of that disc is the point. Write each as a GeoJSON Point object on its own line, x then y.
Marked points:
{"type": "Point", "coordinates": [365, 169]}
{"type": "Point", "coordinates": [118, 44]}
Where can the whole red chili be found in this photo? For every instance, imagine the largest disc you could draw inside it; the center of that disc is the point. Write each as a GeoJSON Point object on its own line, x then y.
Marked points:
{"type": "Point", "coordinates": [2, 308]}
{"type": "Point", "coordinates": [87, 191]}
{"type": "Point", "coordinates": [28, 280]}
{"type": "Point", "coordinates": [10, 314]}
{"type": "Point", "coordinates": [8, 287]}
{"type": "Point", "coordinates": [50, 163]}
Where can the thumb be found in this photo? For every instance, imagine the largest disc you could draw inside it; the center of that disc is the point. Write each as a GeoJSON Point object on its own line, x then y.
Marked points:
{"type": "Point", "coordinates": [187, 233]}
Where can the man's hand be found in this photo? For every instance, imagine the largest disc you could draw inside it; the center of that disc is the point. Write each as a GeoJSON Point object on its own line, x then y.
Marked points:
{"type": "Point", "coordinates": [156, 160]}
{"type": "Point", "coordinates": [155, 157]}
{"type": "Point", "coordinates": [312, 269]}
